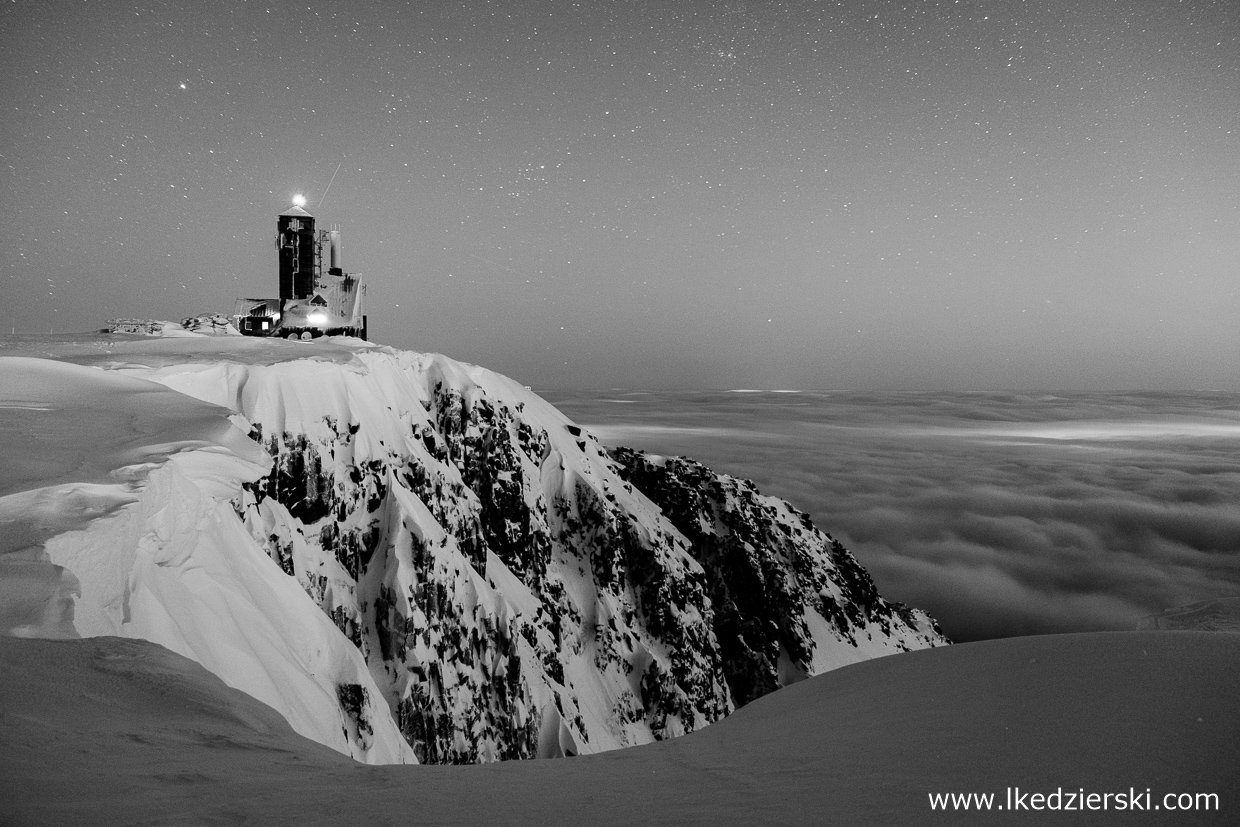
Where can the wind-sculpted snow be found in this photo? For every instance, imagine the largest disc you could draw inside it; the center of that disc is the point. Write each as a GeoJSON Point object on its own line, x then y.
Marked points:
{"type": "Point", "coordinates": [117, 489]}
{"type": "Point", "coordinates": [507, 588]}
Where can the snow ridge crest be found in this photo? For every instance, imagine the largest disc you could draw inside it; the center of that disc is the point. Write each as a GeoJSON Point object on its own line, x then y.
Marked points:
{"type": "Point", "coordinates": [489, 582]}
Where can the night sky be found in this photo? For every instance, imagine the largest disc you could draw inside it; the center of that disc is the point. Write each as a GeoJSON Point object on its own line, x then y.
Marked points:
{"type": "Point", "coordinates": [653, 194]}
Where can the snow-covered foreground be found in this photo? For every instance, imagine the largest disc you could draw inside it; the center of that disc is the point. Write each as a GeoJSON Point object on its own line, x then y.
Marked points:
{"type": "Point", "coordinates": [115, 731]}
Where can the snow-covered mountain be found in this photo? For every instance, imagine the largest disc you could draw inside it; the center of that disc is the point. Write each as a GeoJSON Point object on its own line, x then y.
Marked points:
{"type": "Point", "coordinates": [406, 556]}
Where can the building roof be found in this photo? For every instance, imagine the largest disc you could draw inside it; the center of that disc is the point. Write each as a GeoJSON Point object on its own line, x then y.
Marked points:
{"type": "Point", "coordinates": [297, 212]}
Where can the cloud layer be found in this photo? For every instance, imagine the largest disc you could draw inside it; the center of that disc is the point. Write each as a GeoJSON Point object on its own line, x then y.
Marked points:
{"type": "Point", "coordinates": [1001, 514]}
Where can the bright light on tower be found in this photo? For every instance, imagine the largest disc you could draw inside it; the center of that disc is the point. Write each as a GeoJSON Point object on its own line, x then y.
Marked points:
{"type": "Point", "coordinates": [299, 200]}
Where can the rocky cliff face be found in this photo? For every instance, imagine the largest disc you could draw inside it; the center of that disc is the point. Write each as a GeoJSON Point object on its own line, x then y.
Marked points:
{"type": "Point", "coordinates": [519, 592]}
{"type": "Point", "coordinates": [512, 589]}
{"type": "Point", "coordinates": [513, 595]}
{"type": "Point", "coordinates": [788, 600]}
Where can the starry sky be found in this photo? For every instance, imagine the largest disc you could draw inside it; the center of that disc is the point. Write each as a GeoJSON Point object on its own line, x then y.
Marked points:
{"type": "Point", "coordinates": [668, 193]}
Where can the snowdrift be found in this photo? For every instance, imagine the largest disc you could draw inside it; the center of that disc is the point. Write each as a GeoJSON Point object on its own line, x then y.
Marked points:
{"type": "Point", "coordinates": [113, 731]}
{"type": "Point", "coordinates": [408, 557]}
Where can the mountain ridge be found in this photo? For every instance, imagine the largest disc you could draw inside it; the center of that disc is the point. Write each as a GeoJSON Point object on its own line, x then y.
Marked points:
{"type": "Point", "coordinates": [496, 583]}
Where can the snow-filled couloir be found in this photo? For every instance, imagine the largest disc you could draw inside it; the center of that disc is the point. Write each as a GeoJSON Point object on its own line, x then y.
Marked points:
{"type": "Point", "coordinates": [423, 559]}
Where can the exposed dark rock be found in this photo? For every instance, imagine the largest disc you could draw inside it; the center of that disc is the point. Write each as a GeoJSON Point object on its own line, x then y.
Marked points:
{"type": "Point", "coordinates": [502, 576]}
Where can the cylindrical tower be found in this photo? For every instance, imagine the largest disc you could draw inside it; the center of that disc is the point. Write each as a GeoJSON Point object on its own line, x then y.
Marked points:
{"type": "Point", "coordinates": [337, 258]}
{"type": "Point", "coordinates": [295, 244]}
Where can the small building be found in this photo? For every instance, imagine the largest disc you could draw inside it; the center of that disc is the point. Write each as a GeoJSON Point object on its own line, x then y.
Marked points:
{"type": "Point", "coordinates": [317, 297]}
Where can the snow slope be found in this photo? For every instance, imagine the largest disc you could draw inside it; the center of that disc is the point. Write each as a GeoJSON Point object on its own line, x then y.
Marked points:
{"type": "Point", "coordinates": [118, 489]}
{"type": "Point", "coordinates": [110, 731]}
{"type": "Point", "coordinates": [427, 558]}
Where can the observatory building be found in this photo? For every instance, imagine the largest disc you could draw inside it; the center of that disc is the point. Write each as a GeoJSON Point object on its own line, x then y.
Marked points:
{"type": "Point", "coordinates": [317, 297]}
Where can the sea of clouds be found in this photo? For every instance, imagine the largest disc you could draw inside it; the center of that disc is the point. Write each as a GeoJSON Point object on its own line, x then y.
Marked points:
{"type": "Point", "coordinates": [1001, 514]}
